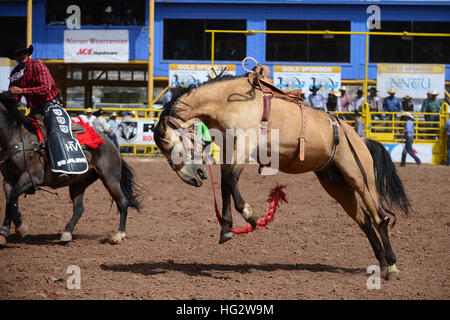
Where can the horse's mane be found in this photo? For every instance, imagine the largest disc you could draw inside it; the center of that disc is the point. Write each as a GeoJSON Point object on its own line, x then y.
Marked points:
{"type": "Point", "coordinates": [13, 114]}
{"type": "Point", "coordinates": [179, 91]}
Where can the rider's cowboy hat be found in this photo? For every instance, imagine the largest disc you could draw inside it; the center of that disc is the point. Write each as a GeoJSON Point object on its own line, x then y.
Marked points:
{"type": "Point", "coordinates": [407, 115]}
{"type": "Point", "coordinates": [18, 47]}
{"type": "Point", "coordinates": [336, 92]}
{"type": "Point", "coordinates": [391, 90]}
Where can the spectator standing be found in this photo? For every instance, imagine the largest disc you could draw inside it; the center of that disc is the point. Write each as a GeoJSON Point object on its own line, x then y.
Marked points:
{"type": "Point", "coordinates": [447, 131]}
{"type": "Point", "coordinates": [100, 124]}
{"type": "Point", "coordinates": [316, 100]}
{"type": "Point", "coordinates": [345, 100]}
{"type": "Point", "coordinates": [129, 19]}
{"type": "Point", "coordinates": [89, 117]}
{"type": "Point", "coordinates": [113, 126]}
{"type": "Point", "coordinates": [110, 17]}
{"type": "Point", "coordinates": [409, 139]}
{"type": "Point", "coordinates": [358, 101]}
{"type": "Point", "coordinates": [407, 104]}
{"type": "Point", "coordinates": [373, 100]}
{"type": "Point", "coordinates": [359, 125]}
{"type": "Point", "coordinates": [333, 102]}
{"type": "Point", "coordinates": [391, 103]}
{"type": "Point", "coordinates": [432, 105]}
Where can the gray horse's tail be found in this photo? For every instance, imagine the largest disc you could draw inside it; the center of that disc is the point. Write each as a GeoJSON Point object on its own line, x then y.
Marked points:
{"type": "Point", "coordinates": [129, 187]}
{"type": "Point", "coordinates": [389, 185]}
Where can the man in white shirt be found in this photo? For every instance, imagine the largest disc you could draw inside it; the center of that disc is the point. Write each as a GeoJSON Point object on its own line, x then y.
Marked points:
{"type": "Point", "coordinates": [358, 101]}
{"type": "Point", "coordinates": [88, 117]}
{"type": "Point", "coordinates": [113, 126]}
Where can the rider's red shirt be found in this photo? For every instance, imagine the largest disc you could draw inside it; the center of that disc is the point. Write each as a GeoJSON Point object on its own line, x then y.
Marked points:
{"type": "Point", "coordinates": [37, 84]}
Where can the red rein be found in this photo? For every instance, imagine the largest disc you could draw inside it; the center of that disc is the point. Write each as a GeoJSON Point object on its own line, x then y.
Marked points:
{"type": "Point", "coordinates": [276, 195]}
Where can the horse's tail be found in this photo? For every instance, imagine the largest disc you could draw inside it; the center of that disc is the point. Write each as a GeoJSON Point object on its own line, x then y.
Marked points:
{"type": "Point", "coordinates": [389, 185]}
{"type": "Point", "coordinates": [129, 187]}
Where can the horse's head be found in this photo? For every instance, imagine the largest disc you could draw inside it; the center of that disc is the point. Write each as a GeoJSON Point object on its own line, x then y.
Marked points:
{"type": "Point", "coordinates": [177, 141]}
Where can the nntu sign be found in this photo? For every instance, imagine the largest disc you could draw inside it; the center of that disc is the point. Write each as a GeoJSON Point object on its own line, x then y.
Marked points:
{"type": "Point", "coordinates": [414, 80]}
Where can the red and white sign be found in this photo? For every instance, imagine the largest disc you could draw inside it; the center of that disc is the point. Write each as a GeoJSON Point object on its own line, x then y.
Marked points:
{"type": "Point", "coordinates": [81, 46]}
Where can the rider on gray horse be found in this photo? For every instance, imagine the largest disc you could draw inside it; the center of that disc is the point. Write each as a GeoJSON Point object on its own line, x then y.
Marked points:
{"type": "Point", "coordinates": [32, 79]}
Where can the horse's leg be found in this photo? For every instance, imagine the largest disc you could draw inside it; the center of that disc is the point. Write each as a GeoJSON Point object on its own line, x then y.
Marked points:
{"type": "Point", "coordinates": [353, 176]}
{"type": "Point", "coordinates": [76, 195]}
{"type": "Point", "coordinates": [227, 219]}
{"type": "Point", "coordinates": [345, 195]}
{"type": "Point", "coordinates": [241, 206]}
{"type": "Point", "coordinates": [12, 212]}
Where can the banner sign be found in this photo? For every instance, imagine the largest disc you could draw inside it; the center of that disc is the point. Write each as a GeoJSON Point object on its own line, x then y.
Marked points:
{"type": "Point", "coordinates": [136, 131]}
{"type": "Point", "coordinates": [423, 151]}
{"type": "Point", "coordinates": [414, 80]}
{"type": "Point", "coordinates": [195, 74]}
{"type": "Point", "coordinates": [81, 46]}
{"type": "Point", "coordinates": [295, 77]}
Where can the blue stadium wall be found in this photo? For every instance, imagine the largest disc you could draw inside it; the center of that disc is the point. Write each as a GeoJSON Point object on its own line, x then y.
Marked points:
{"type": "Point", "coordinates": [48, 40]}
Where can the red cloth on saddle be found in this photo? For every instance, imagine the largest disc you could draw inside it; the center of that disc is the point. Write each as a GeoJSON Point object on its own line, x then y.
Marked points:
{"type": "Point", "coordinates": [90, 138]}
{"type": "Point", "coordinates": [38, 129]}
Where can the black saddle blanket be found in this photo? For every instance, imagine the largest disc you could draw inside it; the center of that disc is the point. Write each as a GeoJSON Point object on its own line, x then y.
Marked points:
{"type": "Point", "coordinates": [64, 151]}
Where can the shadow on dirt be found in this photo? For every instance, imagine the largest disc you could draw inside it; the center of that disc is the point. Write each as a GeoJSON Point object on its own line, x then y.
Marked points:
{"type": "Point", "coordinates": [205, 270]}
{"type": "Point", "coordinates": [49, 239]}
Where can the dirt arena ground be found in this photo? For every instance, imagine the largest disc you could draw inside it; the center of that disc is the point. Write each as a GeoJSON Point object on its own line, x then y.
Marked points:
{"type": "Point", "coordinates": [312, 250]}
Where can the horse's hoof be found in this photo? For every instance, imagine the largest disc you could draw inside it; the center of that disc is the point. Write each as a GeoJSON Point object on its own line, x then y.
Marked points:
{"type": "Point", "coordinates": [226, 236]}
{"type": "Point", "coordinates": [23, 231]}
{"type": "Point", "coordinates": [249, 216]}
{"type": "Point", "coordinates": [65, 237]}
{"type": "Point", "coordinates": [390, 273]}
{"type": "Point", "coordinates": [116, 238]}
{"type": "Point", "coordinates": [2, 241]}
{"type": "Point", "coordinates": [393, 276]}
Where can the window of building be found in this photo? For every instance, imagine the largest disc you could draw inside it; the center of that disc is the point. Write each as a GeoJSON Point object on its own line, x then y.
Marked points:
{"type": "Point", "coordinates": [187, 40]}
{"type": "Point", "coordinates": [406, 49]}
{"type": "Point", "coordinates": [98, 12]}
{"type": "Point", "coordinates": [9, 35]}
{"type": "Point", "coordinates": [307, 48]}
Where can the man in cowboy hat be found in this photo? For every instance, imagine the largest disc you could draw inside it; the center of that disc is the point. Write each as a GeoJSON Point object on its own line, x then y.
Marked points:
{"type": "Point", "coordinates": [88, 116]}
{"type": "Point", "coordinates": [409, 138]}
{"type": "Point", "coordinates": [432, 105]}
{"type": "Point", "coordinates": [31, 79]}
{"type": "Point", "coordinates": [407, 103]}
{"type": "Point", "coordinates": [113, 125]}
{"type": "Point", "coordinates": [345, 100]}
{"type": "Point", "coordinates": [333, 102]}
{"type": "Point", "coordinates": [391, 103]}
{"type": "Point", "coordinates": [358, 101]}
{"type": "Point", "coordinates": [316, 100]}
